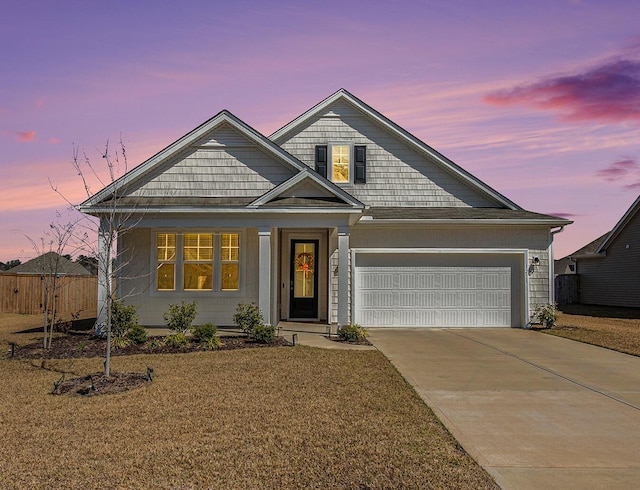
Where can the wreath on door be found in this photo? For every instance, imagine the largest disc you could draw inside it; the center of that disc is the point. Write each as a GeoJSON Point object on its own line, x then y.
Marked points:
{"type": "Point", "coordinates": [304, 262]}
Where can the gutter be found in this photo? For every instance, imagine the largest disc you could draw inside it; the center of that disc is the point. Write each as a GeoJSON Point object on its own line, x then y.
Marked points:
{"type": "Point", "coordinates": [470, 221]}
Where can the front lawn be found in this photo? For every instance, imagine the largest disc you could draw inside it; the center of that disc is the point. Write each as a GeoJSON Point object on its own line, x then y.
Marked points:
{"type": "Point", "coordinates": [282, 417]}
{"type": "Point", "coordinates": [613, 328]}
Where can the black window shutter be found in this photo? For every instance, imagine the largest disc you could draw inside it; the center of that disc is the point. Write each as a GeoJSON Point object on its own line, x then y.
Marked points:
{"type": "Point", "coordinates": [321, 160]}
{"type": "Point", "coordinates": [360, 166]}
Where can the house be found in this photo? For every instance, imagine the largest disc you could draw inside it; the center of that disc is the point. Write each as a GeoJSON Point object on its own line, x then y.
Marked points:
{"type": "Point", "coordinates": [609, 274]}
{"type": "Point", "coordinates": [341, 216]}
{"type": "Point", "coordinates": [49, 263]}
{"type": "Point", "coordinates": [567, 264]}
{"type": "Point", "coordinates": [28, 288]}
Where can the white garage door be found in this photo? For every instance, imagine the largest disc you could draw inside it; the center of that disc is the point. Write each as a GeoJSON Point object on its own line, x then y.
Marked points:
{"type": "Point", "coordinates": [433, 296]}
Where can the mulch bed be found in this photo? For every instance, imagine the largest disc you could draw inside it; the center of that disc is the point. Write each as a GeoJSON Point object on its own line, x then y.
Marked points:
{"type": "Point", "coordinates": [86, 346]}
{"type": "Point", "coordinates": [99, 384]}
{"type": "Point", "coordinates": [353, 342]}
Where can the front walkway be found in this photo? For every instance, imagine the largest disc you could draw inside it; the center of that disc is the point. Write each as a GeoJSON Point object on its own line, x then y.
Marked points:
{"type": "Point", "coordinates": [535, 411]}
{"type": "Point", "coordinates": [316, 335]}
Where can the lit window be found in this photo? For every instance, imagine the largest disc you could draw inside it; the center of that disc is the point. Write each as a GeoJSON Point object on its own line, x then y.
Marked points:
{"type": "Point", "coordinates": [198, 261]}
{"type": "Point", "coordinates": [188, 262]}
{"type": "Point", "coordinates": [230, 255]}
{"type": "Point", "coordinates": [166, 266]}
{"type": "Point", "coordinates": [340, 163]}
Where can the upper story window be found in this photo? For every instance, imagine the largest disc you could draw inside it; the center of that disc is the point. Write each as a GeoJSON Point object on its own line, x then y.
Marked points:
{"type": "Point", "coordinates": [340, 168]}
{"type": "Point", "coordinates": [342, 163]}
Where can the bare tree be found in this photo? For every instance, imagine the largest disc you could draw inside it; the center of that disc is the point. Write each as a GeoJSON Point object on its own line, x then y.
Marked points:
{"type": "Point", "coordinates": [49, 250]}
{"type": "Point", "coordinates": [113, 223]}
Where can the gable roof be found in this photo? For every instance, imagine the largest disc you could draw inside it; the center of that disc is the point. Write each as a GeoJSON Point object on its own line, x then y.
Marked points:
{"type": "Point", "coordinates": [620, 225]}
{"type": "Point", "coordinates": [146, 168]}
{"type": "Point", "coordinates": [343, 95]}
{"type": "Point", "coordinates": [45, 263]}
{"type": "Point", "coordinates": [279, 193]}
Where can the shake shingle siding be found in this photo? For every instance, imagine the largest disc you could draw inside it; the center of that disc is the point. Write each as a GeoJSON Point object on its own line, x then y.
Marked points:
{"type": "Point", "coordinates": [397, 174]}
{"type": "Point", "coordinates": [614, 279]}
{"type": "Point", "coordinates": [225, 164]}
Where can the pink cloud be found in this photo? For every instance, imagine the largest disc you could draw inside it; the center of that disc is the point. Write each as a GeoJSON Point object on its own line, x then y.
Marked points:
{"type": "Point", "coordinates": [25, 136]}
{"type": "Point", "coordinates": [618, 170]}
{"type": "Point", "coordinates": [54, 141]}
{"type": "Point", "coordinates": [609, 92]}
{"type": "Point", "coordinates": [633, 187]}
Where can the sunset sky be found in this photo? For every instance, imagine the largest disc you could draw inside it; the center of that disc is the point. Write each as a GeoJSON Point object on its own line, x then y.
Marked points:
{"type": "Point", "coordinates": [541, 100]}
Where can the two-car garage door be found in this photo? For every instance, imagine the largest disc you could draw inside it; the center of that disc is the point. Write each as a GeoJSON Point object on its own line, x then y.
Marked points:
{"type": "Point", "coordinates": [435, 291]}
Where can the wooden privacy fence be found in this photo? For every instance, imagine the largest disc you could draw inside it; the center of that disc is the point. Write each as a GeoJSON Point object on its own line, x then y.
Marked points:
{"type": "Point", "coordinates": [25, 294]}
{"type": "Point", "coordinates": [566, 289]}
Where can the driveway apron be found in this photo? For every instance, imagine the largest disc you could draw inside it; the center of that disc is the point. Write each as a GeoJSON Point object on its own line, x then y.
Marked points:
{"type": "Point", "coordinates": [536, 411]}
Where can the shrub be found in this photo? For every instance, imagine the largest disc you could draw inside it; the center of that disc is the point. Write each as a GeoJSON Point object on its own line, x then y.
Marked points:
{"type": "Point", "coordinates": [123, 317]}
{"type": "Point", "coordinates": [248, 317]}
{"type": "Point", "coordinates": [204, 332]}
{"type": "Point", "coordinates": [154, 343]}
{"type": "Point", "coordinates": [176, 340]}
{"type": "Point", "coordinates": [137, 334]}
{"type": "Point", "coordinates": [264, 334]}
{"type": "Point", "coordinates": [352, 333]}
{"type": "Point", "coordinates": [545, 315]}
{"type": "Point", "coordinates": [211, 343]}
{"type": "Point", "coordinates": [180, 317]}
{"type": "Point", "coordinates": [120, 341]}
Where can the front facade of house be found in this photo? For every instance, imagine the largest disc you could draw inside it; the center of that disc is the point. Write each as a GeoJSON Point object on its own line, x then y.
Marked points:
{"type": "Point", "coordinates": [609, 272]}
{"type": "Point", "coordinates": [339, 217]}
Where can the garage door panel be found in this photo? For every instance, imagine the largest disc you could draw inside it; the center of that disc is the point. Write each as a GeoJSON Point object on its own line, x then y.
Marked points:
{"type": "Point", "coordinates": [433, 296]}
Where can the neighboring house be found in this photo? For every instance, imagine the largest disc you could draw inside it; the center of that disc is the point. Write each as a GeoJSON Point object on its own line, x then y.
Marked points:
{"type": "Point", "coordinates": [610, 274]}
{"type": "Point", "coordinates": [340, 216]}
{"type": "Point", "coordinates": [567, 265]}
{"type": "Point", "coordinates": [48, 263]}
{"type": "Point", "coordinates": [28, 288]}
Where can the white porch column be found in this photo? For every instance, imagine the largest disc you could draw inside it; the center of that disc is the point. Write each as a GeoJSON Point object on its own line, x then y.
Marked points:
{"type": "Point", "coordinates": [264, 281]}
{"type": "Point", "coordinates": [104, 270]}
{"type": "Point", "coordinates": [343, 277]}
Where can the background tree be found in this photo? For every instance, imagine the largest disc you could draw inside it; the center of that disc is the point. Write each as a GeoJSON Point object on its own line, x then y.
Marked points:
{"type": "Point", "coordinates": [5, 266]}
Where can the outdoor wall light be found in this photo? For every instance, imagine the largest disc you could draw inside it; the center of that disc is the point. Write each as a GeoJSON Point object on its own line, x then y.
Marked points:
{"type": "Point", "coordinates": [532, 266]}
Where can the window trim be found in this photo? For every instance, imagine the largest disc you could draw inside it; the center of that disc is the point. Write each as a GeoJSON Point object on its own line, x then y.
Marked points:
{"type": "Point", "coordinates": [179, 262]}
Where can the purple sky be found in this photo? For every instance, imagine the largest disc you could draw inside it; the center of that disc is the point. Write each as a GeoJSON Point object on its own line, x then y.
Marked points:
{"type": "Point", "coordinates": [541, 100]}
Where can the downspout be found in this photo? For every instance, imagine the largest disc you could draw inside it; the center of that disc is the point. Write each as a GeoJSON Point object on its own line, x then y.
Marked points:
{"type": "Point", "coordinates": [552, 285]}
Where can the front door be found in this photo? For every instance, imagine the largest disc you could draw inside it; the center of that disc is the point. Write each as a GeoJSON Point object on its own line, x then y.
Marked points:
{"type": "Point", "coordinates": [303, 288]}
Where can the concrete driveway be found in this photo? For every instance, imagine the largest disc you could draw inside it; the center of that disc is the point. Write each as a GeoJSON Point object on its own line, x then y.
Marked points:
{"type": "Point", "coordinates": [534, 410]}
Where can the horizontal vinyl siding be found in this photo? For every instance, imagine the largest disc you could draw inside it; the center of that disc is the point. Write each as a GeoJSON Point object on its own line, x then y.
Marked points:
{"type": "Point", "coordinates": [397, 174]}
{"type": "Point", "coordinates": [614, 279]}
{"type": "Point", "coordinates": [215, 307]}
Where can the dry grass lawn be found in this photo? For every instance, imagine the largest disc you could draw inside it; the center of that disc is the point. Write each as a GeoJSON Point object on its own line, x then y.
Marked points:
{"type": "Point", "coordinates": [613, 328]}
{"type": "Point", "coordinates": [285, 417]}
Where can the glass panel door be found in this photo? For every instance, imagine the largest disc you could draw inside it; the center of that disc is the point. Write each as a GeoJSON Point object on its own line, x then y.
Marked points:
{"type": "Point", "coordinates": [304, 263]}
{"type": "Point", "coordinates": [303, 294]}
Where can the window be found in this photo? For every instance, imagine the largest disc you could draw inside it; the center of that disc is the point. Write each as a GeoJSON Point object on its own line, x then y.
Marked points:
{"type": "Point", "coordinates": [230, 261]}
{"type": "Point", "coordinates": [166, 266]}
{"type": "Point", "coordinates": [340, 163]}
{"type": "Point", "coordinates": [198, 262]}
